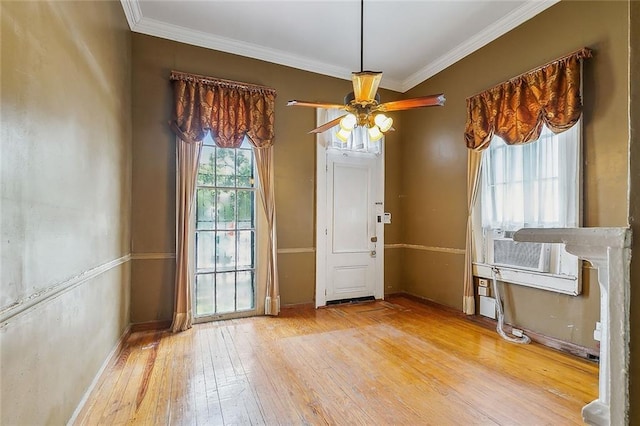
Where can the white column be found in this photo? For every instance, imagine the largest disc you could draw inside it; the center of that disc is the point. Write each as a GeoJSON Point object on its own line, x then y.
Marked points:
{"type": "Point", "coordinates": [609, 250]}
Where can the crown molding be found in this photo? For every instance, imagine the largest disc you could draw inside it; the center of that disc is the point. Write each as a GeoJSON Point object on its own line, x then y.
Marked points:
{"type": "Point", "coordinates": [132, 12]}
{"type": "Point", "coordinates": [139, 24]}
{"type": "Point", "coordinates": [484, 37]}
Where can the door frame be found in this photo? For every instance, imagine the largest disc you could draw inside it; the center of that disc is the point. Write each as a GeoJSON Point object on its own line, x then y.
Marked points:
{"type": "Point", "coordinates": [322, 222]}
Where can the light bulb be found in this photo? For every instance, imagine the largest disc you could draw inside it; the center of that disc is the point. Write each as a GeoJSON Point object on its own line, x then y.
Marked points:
{"type": "Point", "coordinates": [374, 133]}
{"type": "Point", "coordinates": [348, 122]}
{"type": "Point", "coordinates": [383, 122]}
{"type": "Point", "coordinates": [343, 134]}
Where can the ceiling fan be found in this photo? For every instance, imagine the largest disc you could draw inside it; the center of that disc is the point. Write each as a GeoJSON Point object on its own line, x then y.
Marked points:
{"type": "Point", "coordinates": [362, 106]}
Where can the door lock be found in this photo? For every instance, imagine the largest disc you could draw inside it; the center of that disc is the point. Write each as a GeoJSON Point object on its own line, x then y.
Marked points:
{"type": "Point", "coordinates": [374, 239]}
{"type": "Point", "coordinates": [373, 253]}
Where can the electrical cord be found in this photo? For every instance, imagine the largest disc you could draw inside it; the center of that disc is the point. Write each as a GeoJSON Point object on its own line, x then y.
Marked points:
{"type": "Point", "coordinates": [521, 340]}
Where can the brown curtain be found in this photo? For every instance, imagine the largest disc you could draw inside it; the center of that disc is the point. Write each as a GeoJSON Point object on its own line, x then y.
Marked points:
{"type": "Point", "coordinates": [230, 111]}
{"type": "Point", "coordinates": [515, 111]}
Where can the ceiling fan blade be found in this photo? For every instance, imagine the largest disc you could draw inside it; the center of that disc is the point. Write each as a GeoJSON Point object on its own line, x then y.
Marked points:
{"type": "Point", "coordinates": [314, 104]}
{"type": "Point", "coordinates": [424, 101]}
{"type": "Point", "coordinates": [327, 126]}
{"type": "Point", "coordinates": [365, 85]}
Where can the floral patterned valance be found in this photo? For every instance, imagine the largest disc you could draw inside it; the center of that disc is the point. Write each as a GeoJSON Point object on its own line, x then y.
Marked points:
{"type": "Point", "coordinates": [229, 109]}
{"type": "Point", "coordinates": [516, 109]}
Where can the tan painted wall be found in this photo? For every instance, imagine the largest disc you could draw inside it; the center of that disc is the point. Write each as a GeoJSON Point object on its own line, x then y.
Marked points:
{"type": "Point", "coordinates": [154, 167]}
{"type": "Point", "coordinates": [634, 206]}
{"type": "Point", "coordinates": [65, 173]}
{"type": "Point", "coordinates": [434, 182]}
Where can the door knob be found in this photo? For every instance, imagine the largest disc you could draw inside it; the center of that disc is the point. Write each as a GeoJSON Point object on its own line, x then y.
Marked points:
{"type": "Point", "coordinates": [374, 239]}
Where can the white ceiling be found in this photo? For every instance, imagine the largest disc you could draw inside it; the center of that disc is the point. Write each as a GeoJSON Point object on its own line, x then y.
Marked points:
{"type": "Point", "coordinates": [409, 41]}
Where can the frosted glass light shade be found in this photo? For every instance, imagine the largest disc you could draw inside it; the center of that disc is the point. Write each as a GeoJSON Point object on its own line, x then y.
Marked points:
{"type": "Point", "coordinates": [383, 122]}
{"type": "Point", "coordinates": [348, 122]}
{"type": "Point", "coordinates": [374, 133]}
{"type": "Point", "coordinates": [343, 134]}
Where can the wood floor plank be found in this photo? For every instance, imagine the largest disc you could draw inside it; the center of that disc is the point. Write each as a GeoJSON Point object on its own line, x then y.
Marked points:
{"type": "Point", "coordinates": [122, 403]}
{"type": "Point", "coordinates": [386, 362]}
{"type": "Point", "coordinates": [150, 398]}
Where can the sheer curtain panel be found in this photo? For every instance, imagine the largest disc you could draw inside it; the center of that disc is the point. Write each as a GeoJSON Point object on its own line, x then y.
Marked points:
{"type": "Point", "coordinates": [544, 170]}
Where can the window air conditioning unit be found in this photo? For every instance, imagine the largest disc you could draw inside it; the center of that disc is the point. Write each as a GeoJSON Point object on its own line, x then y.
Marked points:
{"type": "Point", "coordinates": [503, 251]}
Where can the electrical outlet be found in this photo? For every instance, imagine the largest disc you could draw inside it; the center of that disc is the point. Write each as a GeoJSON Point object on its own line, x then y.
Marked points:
{"type": "Point", "coordinates": [483, 282]}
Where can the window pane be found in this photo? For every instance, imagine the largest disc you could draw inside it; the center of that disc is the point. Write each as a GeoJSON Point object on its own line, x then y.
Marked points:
{"type": "Point", "coordinates": [225, 292]}
{"type": "Point", "coordinates": [244, 290]}
{"type": "Point", "coordinates": [244, 182]}
{"type": "Point", "coordinates": [244, 168]}
{"type": "Point", "coordinates": [225, 167]}
{"type": "Point", "coordinates": [245, 251]}
{"type": "Point", "coordinates": [204, 294]}
{"type": "Point", "coordinates": [245, 209]}
{"type": "Point", "coordinates": [206, 169]}
{"type": "Point", "coordinates": [205, 250]}
{"type": "Point", "coordinates": [205, 208]}
{"type": "Point", "coordinates": [226, 209]}
{"type": "Point", "coordinates": [226, 249]}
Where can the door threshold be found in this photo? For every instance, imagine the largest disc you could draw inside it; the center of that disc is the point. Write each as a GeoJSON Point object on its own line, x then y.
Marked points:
{"type": "Point", "coordinates": [352, 300]}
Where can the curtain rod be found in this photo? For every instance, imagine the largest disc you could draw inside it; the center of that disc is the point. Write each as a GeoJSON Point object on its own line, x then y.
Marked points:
{"type": "Point", "coordinates": [178, 75]}
{"type": "Point", "coordinates": [581, 53]}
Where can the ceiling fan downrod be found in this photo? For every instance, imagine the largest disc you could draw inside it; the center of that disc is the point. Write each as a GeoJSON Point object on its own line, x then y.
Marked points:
{"type": "Point", "coordinates": [361, 35]}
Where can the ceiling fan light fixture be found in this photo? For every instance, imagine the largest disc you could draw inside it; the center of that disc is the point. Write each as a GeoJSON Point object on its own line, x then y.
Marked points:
{"type": "Point", "coordinates": [363, 105]}
{"type": "Point", "coordinates": [374, 133]}
{"type": "Point", "coordinates": [343, 134]}
{"type": "Point", "coordinates": [365, 85]}
{"type": "Point", "coordinates": [348, 122]}
{"type": "Point", "coordinates": [383, 122]}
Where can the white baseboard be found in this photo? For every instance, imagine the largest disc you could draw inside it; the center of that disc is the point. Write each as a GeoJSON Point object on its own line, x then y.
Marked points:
{"type": "Point", "coordinates": [111, 357]}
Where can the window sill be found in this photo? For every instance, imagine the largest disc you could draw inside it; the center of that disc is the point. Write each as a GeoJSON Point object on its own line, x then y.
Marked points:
{"type": "Point", "coordinates": [564, 284]}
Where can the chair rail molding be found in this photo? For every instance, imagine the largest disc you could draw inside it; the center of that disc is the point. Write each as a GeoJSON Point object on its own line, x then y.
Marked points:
{"type": "Point", "coordinates": [608, 250]}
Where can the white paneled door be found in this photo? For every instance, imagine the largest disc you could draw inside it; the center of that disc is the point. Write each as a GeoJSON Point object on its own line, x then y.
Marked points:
{"type": "Point", "coordinates": [353, 240]}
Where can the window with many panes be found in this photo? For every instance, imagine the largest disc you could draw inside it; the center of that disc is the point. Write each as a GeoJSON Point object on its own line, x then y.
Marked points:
{"type": "Point", "coordinates": [225, 231]}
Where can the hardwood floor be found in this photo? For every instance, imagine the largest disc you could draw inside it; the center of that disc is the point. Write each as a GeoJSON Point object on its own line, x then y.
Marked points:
{"type": "Point", "coordinates": [378, 363]}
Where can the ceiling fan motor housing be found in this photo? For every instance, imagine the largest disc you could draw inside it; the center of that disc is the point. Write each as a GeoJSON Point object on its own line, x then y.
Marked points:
{"type": "Point", "coordinates": [352, 97]}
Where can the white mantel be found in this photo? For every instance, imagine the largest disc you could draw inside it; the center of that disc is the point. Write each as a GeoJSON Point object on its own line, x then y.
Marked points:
{"type": "Point", "coordinates": [609, 250]}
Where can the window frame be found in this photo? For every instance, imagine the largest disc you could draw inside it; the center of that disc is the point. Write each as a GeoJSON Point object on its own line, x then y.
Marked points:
{"type": "Point", "coordinates": [554, 280]}
{"type": "Point", "coordinates": [254, 269]}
